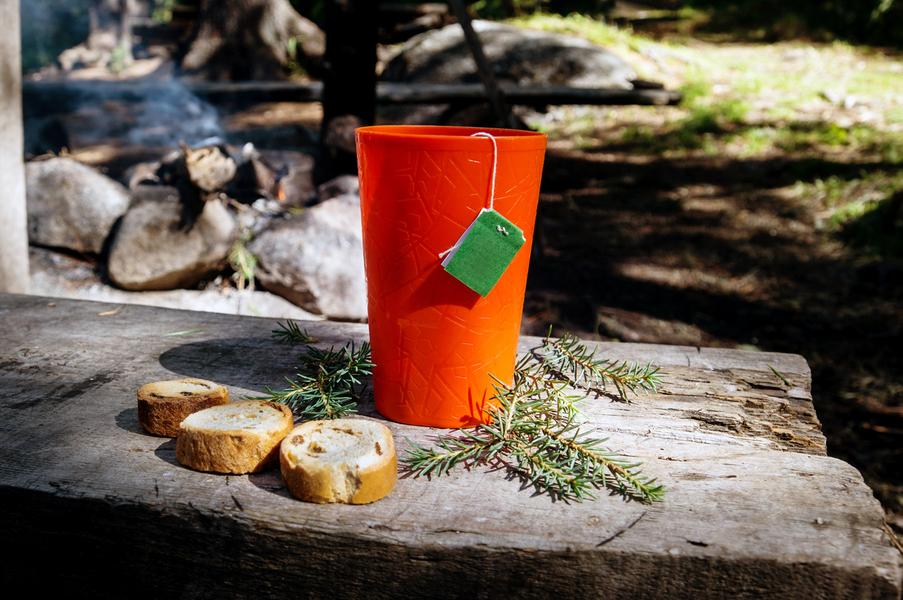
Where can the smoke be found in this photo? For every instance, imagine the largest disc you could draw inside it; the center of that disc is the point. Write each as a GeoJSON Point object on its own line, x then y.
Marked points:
{"type": "Point", "coordinates": [172, 114]}
{"type": "Point", "coordinates": [82, 113]}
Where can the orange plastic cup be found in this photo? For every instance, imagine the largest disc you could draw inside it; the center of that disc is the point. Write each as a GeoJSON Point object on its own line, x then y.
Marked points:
{"type": "Point", "coordinates": [435, 341]}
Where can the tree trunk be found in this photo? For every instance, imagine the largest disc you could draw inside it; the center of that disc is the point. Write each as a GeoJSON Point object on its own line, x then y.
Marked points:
{"type": "Point", "coordinates": [109, 42]}
{"type": "Point", "coordinates": [349, 82]}
{"type": "Point", "coordinates": [252, 39]}
{"type": "Point", "coordinates": [13, 227]}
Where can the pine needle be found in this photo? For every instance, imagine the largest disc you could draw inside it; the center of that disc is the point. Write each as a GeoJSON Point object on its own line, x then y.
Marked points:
{"type": "Point", "coordinates": [535, 431]}
{"type": "Point", "coordinates": [291, 333]}
{"type": "Point", "coordinates": [569, 358]}
{"type": "Point", "coordinates": [329, 383]}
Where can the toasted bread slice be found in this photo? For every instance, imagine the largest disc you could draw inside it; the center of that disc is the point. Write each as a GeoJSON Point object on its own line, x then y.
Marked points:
{"type": "Point", "coordinates": [162, 405]}
{"type": "Point", "coordinates": [351, 461]}
{"type": "Point", "coordinates": [241, 437]}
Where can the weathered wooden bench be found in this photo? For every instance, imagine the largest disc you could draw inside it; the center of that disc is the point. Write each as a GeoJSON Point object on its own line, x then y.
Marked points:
{"type": "Point", "coordinates": [92, 506]}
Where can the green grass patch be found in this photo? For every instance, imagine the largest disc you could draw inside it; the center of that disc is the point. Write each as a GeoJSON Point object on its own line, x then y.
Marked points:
{"type": "Point", "coordinates": [724, 124]}
{"type": "Point", "coordinates": [875, 226]}
{"type": "Point", "coordinates": [694, 90]}
{"type": "Point", "coordinates": [592, 29]}
{"type": "Point", "coordinates": [864, 212]}
{"type": "Point", "coordinates": [700, 129]}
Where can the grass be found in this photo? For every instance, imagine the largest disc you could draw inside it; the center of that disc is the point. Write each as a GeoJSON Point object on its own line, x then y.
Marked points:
{"type": "Point", "coordinates": [827, 101]}
{"type": "Point", "coordinates": [589, 28]}
{"type": "Point", "coordinates": [786, 76]}
{"type": "Point", "coordinates": [745, 100]}
{"type": "Point", "coordinates": [860, 210]}
{"type": "Point", "coordinates": [243, 262]}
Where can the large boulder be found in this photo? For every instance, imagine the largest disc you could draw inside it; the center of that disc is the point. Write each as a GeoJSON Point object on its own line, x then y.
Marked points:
{"type": "Point", "coordinates": [316, 259]}
{"type": "Point", "coordinates": [70, 205]}
{"type": "Point", "coordinates": [159, 247]}
{"type": "Point", "coordinates": [521, 56]}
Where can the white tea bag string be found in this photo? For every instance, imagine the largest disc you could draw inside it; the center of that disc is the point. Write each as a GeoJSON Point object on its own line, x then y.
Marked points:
{"type": "Point", "coordinates": [495, 160]}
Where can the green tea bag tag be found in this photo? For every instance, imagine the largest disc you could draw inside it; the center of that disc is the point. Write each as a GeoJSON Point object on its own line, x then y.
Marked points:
{"type": "Point", "coordinates": [483, 252]}
{"type": "Point", "coordinates": [486, 248]}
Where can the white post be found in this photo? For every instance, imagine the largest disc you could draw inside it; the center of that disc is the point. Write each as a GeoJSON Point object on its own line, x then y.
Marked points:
{"type": "Point", "coordinates": [13, 220]}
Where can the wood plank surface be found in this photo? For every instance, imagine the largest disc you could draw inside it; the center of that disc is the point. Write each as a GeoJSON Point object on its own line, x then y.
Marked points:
{"type": "Point", "coordinates": [754, 508]}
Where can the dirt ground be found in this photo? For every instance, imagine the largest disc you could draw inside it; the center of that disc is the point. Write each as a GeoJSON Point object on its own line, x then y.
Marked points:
{"type": "Point", "coordinates": [707, 252]}
{"type": "Point", "coordinates": [704, 235]}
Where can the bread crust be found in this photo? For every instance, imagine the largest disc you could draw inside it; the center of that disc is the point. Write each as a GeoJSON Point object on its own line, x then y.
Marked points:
{"type": "Point", "coordinates": [313, 481]}
{"type": "Point", "coordinates": [232, 451]}
{"type": "Point", "coordinates": [160, 412]}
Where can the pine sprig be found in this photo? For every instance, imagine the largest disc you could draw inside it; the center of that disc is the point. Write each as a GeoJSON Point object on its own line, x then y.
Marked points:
{"type": "Point", "coordinates": [329, 384]}
{"type": "Point", "coordinates": [570, 359]}
{"type": "Point", "coordinates": [290, 332]}
{"type": "Point", "coordinates": [534, 430]}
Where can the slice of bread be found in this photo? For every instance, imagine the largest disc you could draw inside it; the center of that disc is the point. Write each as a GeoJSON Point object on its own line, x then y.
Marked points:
{"type": "Point", "coordinates": [241, 437]}
{"type": "Point", "coordinates": [351, 461]}
{"type": "Point", "coordinates": [162, 405]}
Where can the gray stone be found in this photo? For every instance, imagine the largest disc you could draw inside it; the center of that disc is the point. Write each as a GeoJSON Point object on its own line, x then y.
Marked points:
{"type": "Point", "coordinates": [155, 250]}
{"type": "Point", "coordinates": [71, 205]}
{"type": "Point", "coordinates": [61, 272]}
{"type": "Point", "coordinates": [316, 259]}
{"type": "Point", "coordinates": [521, 56]}
{"type": "Point", "coordinates": [339, 186]}
{"type": "Point", "coordinates": [61, 276]}
{"type": "Point", "coordinates": [296, 169]}
{"type": "Point", "coordinates": [143, 173]}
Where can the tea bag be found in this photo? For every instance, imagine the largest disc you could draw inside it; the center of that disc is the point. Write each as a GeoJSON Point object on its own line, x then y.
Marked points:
{"type": "Point", "coordinates": [483, 252]}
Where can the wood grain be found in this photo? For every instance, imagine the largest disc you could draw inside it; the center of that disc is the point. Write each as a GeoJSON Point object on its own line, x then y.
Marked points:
{"type": "Point", "coordinates": [754, 508]}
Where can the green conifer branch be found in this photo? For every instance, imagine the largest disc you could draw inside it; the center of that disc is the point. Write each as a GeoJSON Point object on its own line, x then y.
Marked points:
{"type": "Point", "coordinates": [290, 332]}
{"type": "Point", "coordinates": [569, 358]}
{"type": "Point", "coordinates": [534, 431]}
{"type": "Point", "coordinates": [329, 385]}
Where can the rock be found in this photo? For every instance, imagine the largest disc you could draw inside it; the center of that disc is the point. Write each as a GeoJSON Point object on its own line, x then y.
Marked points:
{"type": "Point", "coordinates": [295, 172]}
{"type": "Point", "coordinates": [70, 205]}
{"type": "Point", "coordinates": [339, 186]}
{"type": "Point", "coordinates": [521, 56]}
{"type": "Point", "coordinates": [209, 167]}
{"type": "Point", "coordinates": [143, 173]}
{"type": "Point", "coordinates": [60, 276]}
{"type": "Point", "coordinates": [316, 259]}
{"type": "Point", "coordinates": [154, 250]}
{"type": "Point", "coordinates": [62, 272]}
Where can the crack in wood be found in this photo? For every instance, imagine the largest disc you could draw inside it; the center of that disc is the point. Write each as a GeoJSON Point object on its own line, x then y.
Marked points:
{"type": "Point", "coordinates": [621, 531]}
{"type": "Point", "coordinates": [67, 392]}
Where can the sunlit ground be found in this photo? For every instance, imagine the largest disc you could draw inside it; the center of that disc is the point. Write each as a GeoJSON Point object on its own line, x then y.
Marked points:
{"type": "Point", "coordinates": [759, 213]}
